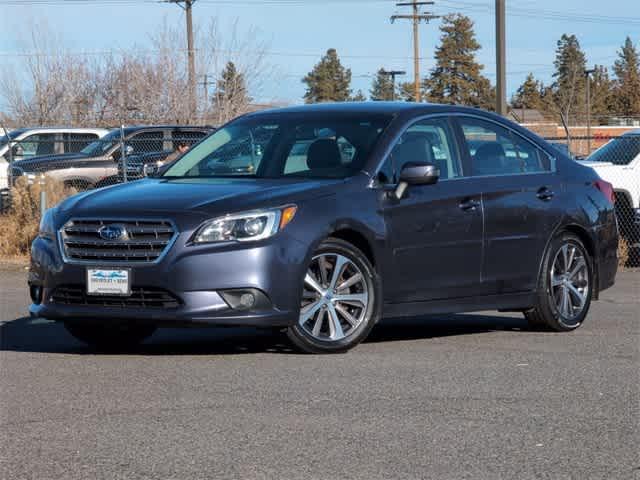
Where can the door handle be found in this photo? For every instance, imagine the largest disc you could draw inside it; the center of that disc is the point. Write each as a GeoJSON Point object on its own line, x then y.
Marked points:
{"type": "Point", "coordinates": [544, 193]}
{"type": "Point", "coordinates": [469, 205]}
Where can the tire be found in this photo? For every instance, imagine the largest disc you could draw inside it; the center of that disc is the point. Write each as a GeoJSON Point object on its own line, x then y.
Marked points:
{"type": "Point", "coordinates": [564, 294]}
{"type": "Point", "coordinates": [331, 319]}
{"type": "Point", "coordinates": [111, 337]}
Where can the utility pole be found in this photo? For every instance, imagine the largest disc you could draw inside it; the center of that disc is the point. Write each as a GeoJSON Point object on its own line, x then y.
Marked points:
{"type": "Point", "coordinates": [587, 74]}
{"type": "Point", "coordinates": [191, 68]}
{"type": "Point", "coordinates": [393, 74]}
{"type": "Point", "coordinates": [501, 72]}
{"type": "Point", "coordinates": [416, 17]}
{"type": "Point", "coordinates": [205, 85]}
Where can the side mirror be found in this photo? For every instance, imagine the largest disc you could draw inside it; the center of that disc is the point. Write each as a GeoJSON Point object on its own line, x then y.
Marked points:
{"type": "Point", "coordinates": [416, 173]}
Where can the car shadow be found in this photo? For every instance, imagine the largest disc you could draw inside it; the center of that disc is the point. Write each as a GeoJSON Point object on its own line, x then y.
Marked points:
{"type": "Point", "coordinates": [35, 335]}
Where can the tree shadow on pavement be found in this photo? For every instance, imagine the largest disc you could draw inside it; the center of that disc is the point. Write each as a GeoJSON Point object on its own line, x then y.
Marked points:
{"type": "Point", "coordinates": [35, 335]}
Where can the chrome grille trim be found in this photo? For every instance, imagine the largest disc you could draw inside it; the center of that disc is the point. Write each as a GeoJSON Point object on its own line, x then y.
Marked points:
{"type": "Point", "coordinates": [147, 242]}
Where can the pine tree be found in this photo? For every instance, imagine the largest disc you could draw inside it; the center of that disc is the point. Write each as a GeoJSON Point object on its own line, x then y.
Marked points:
{"type": "Point", "coordinates": [358, 97]}
{"type": "Point", "coordinates": [406, 92]}
{"type": "Point", "coordinates": [529, 94]}
{"type": "Point", "coordinates": [601, 92]}
{"type": "Point", "coordinates": [457, 77]}
{"type": "Point", "coordinates": [627, 83]}
{"type": "Point", "coordinates": [329, 81]}
{"type": "Point", "coordinates": [569, 80]}
{"type": "Point", "coordinates": [231, 97]}
{"type": "Point", "coordinates": [382, 87]}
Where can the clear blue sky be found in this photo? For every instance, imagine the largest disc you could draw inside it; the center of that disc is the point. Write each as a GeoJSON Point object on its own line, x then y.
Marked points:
{"type": "Point", "coordinates": [359, 29]}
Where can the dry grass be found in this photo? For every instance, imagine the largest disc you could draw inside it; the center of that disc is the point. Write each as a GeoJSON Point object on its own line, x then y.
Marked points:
{"type": "Point", "coordinates": [19, 226]}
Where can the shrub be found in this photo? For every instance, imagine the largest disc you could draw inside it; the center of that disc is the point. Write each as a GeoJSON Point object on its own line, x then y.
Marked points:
{"type": "Point", "coordinates": [19, 226]}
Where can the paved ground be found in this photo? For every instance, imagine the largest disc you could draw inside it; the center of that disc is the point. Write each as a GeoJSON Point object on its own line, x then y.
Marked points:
{"type": "Point", "coordinates": [449, 397]}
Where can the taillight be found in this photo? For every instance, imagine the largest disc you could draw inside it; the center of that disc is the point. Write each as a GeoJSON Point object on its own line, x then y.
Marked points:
{"type": "Point", "coordinates": [606, 188]}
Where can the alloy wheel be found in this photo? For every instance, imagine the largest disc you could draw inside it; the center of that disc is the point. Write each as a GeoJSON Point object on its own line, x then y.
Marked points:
{"type": "Point", "coordinates": [569, 281]}
{"type": "Point", "coordinates": [335, 297]}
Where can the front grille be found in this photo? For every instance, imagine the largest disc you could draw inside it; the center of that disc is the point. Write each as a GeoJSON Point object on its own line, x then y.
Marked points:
{"type": "Point", "coordinates": [144, 241]}
{"type": "Point", "coordinates": [141, 297]}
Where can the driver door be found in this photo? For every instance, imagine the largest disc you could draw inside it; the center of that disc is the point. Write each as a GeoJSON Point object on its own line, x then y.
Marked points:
{"type": "Point", "coordinates": [435, 230]}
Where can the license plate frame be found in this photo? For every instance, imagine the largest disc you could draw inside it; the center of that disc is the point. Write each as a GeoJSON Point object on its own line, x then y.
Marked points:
{"type": "Point", "coordinates": [108, 281]}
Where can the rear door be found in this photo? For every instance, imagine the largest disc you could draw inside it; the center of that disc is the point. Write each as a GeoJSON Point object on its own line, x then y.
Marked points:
{"type": "Point", "coordinates": [520, 191]}
{"type": "Point", "coordinates": [435, 231]}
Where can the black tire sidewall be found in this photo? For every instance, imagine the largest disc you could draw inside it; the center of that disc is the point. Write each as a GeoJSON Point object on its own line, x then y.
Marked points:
{"type": "Point", "coordinates": [306, 342]}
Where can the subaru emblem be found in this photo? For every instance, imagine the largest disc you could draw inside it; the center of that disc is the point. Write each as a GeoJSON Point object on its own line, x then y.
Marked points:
{"type": "Point", "coordinates": [113, 232]}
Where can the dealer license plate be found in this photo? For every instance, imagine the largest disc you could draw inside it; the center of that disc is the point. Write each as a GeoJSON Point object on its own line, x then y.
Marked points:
{"type": "Point", "coordinates": [103, 281]}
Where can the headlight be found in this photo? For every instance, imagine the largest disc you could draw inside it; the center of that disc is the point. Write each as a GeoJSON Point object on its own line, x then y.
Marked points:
{"type": "Point", "coordinates": [247, 226]}
{"type": "Point", "coordinates": [47, 227]}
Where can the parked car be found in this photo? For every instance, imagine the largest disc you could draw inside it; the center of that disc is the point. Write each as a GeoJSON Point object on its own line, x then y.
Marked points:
{"type": "Point", "coordinates": [405, 221]}
{"type": "Point", "coordinates": [101, 158]}
{"type": "Point", "coordinates": [618, 162]}
{"type": "Point", "coordinates": [27, 143]}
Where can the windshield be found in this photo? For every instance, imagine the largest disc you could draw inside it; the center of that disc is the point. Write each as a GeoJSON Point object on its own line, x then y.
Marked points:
{"type": "Point", "coordinates": [100, 147]}
{"type": "Point", "coordinates": [4, 139]}
{"type": "Point", "coordinates": [284, 145]}
{"type": "Point", "coordinates": [619, 151]}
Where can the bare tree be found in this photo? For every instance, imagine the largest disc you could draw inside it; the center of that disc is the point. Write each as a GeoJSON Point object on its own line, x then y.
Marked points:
{"type": "Point", "coordinates": [135, 85]}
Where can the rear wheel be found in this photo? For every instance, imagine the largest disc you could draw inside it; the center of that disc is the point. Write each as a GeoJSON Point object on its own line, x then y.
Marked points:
{"type": "Point", "coordinates": [340, 301]}
{"type": "Point", "coordinates": [565, 286]}
{"type": "Point", "coordinates": [111, 337]}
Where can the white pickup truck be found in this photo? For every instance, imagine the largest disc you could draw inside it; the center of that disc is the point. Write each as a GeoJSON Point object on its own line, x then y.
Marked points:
{"type": "Point", "coordinates": [618, 162]}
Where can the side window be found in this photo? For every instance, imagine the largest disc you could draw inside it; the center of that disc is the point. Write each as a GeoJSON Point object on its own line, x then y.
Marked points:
{"type": "Point", "coordinates": [189, 137]}
{"type": "Point", "coordinates": [147, 142]}
{"type": "Point", "coordinates": [429, 141]}
{"type": "Point", "coordinates": [74, 142]}
{"type": "Point", "coordinates": [494, 150]}
{"type": "Point", "coordinates": [38, 144]}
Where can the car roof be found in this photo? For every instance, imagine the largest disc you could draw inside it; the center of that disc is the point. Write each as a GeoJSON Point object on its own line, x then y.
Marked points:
{"type": "Point", "coordinates": [368, 108]}
{"type": "Point", "coordinates": [61, 129]}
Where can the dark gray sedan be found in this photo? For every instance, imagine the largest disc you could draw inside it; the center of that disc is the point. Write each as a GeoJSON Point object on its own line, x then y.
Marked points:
{"type": "Point", "coordinates": [323, 219]}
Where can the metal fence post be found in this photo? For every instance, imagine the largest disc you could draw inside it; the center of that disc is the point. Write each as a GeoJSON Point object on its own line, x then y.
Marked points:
{"type": "Point", "coordinates": [123, 155]}
{"type": "Point", "coordinates": [43, 195]}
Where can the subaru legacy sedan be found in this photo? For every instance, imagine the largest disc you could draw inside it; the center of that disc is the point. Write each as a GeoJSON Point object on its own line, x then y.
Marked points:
{"type": "Point", "coordinates": [321, 220]}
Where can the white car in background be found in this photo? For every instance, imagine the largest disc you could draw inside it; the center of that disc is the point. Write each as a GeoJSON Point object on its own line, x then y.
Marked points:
{"type": "Point", "coordinates": [618, 162]}
{"type": "Point", "coordinates": [31, 142]}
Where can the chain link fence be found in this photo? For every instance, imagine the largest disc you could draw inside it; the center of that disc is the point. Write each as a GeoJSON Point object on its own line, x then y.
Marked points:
{"type": "Point", "coordinates": [616, 160]}
{"type": "Point", "coordinates": [76, 161]}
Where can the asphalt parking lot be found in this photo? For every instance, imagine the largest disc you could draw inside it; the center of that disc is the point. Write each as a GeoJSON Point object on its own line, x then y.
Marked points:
{"type": "Point", "coordinates": [444, 397]}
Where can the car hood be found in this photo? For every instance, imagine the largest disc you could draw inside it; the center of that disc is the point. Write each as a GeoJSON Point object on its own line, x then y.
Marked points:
{"type": "Point", "coordinates": [206, 197]}
{"type": "Point", "coordinates": [45, 162]}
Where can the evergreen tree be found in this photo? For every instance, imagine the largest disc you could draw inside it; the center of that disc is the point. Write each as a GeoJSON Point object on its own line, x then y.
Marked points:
{"type": "Point", "coordinates": [601, 93]}
{"type": "Point", "coordinates": [231, 97]}
{"type": "Point", "coordinates": [569, 80]}
{"type": "Point", "coordinates": [382, 87]}
{"type": "Point", "coordinates": [329, 81]}
{"type": "Point", "coordinates": [627, 83]}
{"type": "Point", "coordinates": [529, 94]}
{"type": "Point", "coordinates": [358, 97]}
{"type": "Point", "coordinates": [406, 92]}
{"type": "Point", "coordinates": [457, 77]}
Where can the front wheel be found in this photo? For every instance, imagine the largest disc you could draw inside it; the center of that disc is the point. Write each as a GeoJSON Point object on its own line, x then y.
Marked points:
{"type": "Point", "coordinates": [341, 300]}
{"type": "Point", "coordinates": [111, 337]}
{"type": "Point", "coordinates": [565, 286]}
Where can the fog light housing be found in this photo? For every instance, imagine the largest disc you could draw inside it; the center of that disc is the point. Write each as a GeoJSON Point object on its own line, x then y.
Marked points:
{"type": "Point", "coordinates": [245, 299]}
{"type": "Point", "coordinates": [35, 292]}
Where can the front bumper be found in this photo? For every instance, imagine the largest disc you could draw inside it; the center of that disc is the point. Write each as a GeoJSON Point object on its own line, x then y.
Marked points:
{"type": "Point", "coordinates": [196, 276]}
